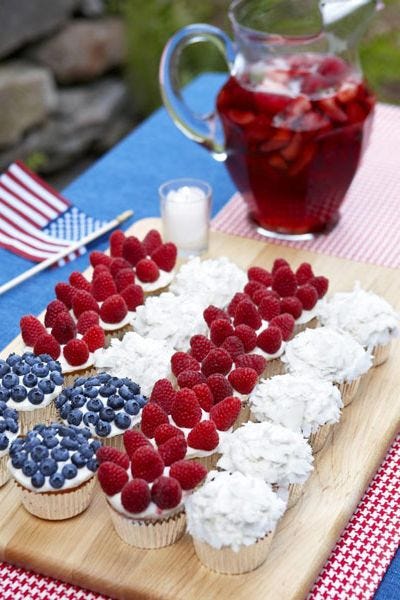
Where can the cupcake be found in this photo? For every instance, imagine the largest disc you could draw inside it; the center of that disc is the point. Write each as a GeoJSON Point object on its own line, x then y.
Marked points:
{"type": "Point", "coordinates": [331, 355]}
{"type": "Point", "coordinates": [53, 468]}
{"type": "Point", "coordinates": [277, 455]}
{"type": "Point", "coordinates": [300, 402]}
{"type": "Point", "coordinates": [144, 496]}
{"type": "Point", "coordinates": [367, 317]}
{"type": "Point", "coordinates": [29, 384]}
{"type": "Point", "coordinates": [232, 518]}
{"type": "Point", "coordinates": [9, 431]}
{"type": "Point", "coordinates": [106, 405]}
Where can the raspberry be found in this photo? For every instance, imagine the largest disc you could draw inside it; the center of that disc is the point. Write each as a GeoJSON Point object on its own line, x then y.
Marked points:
{"type": "Point", "coordinates": [213, 312]}
{"type": "Point", "coordinates": [243, 379]}
{"type": "Point", "coordinates": [188, 379]}
{"type": "Point", "coordinates": [233, 304]}
{"type": "Point", "coordinates": [151, 241]}
{"type": "Point", "coordinates": [247, 314]}
{"type": "Point", "coordinates": [165, 256]}
{"type": "Point", "coordinates": [146, 463]}
{"type": "Point", "coordinates": [54, 308]}
{"type": "Point", "coordinates": [78, 281]}
{"type": "Point", "coordinates": [260, 274]}
{"type": "Point", "coordinates": [200, 346]}
{"type": "Point", "coordinates": [31, 329]}
{"type": "Point", "coordinates": [133, 296]}
{"type": "Point", "coordinates": [260, 294]}
{"type": "Point", "coordinates": [286, 323]}
{"type": "Point", "coordinates": [291, 305]}
{"type": "Point", "coordinates": [247, 335]}
{"type": "Point", "coordinates": [99, 258]}
{"type": "Point", "coordinates": [186, 411]}
{"type": "Point", "coordinates": [112, 477]}
{"type": "Point", "coordinates": [132, 250]}
{"type": "Point", "coordinates": [108, 454]}
{"type": "Point", "coordinates": [204, 436]}
{"type": "Point", "coordinates": [166, 492]}
{"type": "Point", "coordinates": [219, 386]}
{"type": "Point", "coordinates": [269, 308]}
{"type": "Point", "coordinates": [219, 330]}
{"type": "Point", "coordinates": [133, 440]}
{"type": "Point", "coordinates": [216, 361]}
{"type": "Point", "coordinates": [278, 263]}
{"type": "Point", "coordinates": [284, 282]}
{"type": "Point", "coordinates": [165, 431]}
{"type": "Point", "coordinates": [83, 301]}
{"type": "Point", "coordinates": [253, 361]}
{"type": "Point", "coordinates": [181, 361]}
{"type": "Point", "coordinates": [47, 344]}
{"type": "Point", "coordinates": [136, 496]}
{"type": "Point", "coordinates": [147, 270]}
{"type": "Point", "coordinates": [163, 394]}
{"type": "Point", "coordinates": [321, 284]}
{"type": "Point", "coordinates": [113, 309]}
{"type": "Point", "coordinates": [304, 273]}
{"type": "Point", "coordinates": [76, 352]}
{"type": "Point", "coordinates": [189, 473]}
{"type": "Point", "coordinates": [64, 293]}
{"type": "Point", "coordinates": [95, 338]}
{"type": "Point", "coordinates": [252, 287]}
{"type": "Point", "coordinates": [98, 270]}
{"type": "Point", "coordinates": [233, 345]}
{"type": "Point", "coordinates": [270, 339]}
{"type": "Point", "coordinates": [86, 320]}
{"type": "Point", "coordinates": [152, 416]}
{"type": "Point", "coordinates": [123, 278]}
{"type": "Point", "coordinates": [103, 287]}
{"type": "Point", "coordinates": [64, 328]}
{"type": "Point", "coordinates": [204, 396]}
{"type": "Point", "coordinates": [225, 413]}
{"type": "Point", "coordinates": [308, 296]}
{"type": "Point", "coordinates": [117, 264]}
{"type": "Point", "coordinates": [117, 239]}
{"type": "Point", "coordinates": [173, 449]}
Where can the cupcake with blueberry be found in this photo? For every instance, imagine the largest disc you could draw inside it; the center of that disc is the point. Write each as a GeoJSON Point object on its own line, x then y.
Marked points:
{"type": "Point", "coordinates": [8, 432]}
{"type": "Point", "coordinates": [29, 384]}
{"type": "Point", "coordinates": [53, 468]}
{"type": "Point", "coordinates": [106, 405]}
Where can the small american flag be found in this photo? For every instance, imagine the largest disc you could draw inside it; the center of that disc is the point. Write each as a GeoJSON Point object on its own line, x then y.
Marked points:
{"type": "Point", "coordinates": [36, 222]}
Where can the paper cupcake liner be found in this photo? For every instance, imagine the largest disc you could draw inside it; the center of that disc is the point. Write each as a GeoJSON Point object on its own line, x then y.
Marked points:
{"type": "Point", "coordinates": [117, 333]}
{"type": "Point", "coordinates": [147, 533]}
{"type": "Point", "coordinates": [243, 416]}
{"type": "Point", "coordinates": [209, 462]}
{"type": "Point", "coordinates": [313, 324]}
{"type": "Point", "coordinates": [348, 389]}
{"type": "Point", "coordinates": [296, 490]}
{"type": "Point", "coordinates": [380, 354]}
{"type": "Point", "coordinates": [318, 439]}
{"type": "Point", "coordinates": [4, 472]}
{"type": "Point", "coordinates": [69, 378]}
{"type": "Point", "coordinates": [116, 441]}
{"type": "Point", "coordinates": [58, 505]}
{"type": "Point", "coordinates": [274, 367]}
{"type": "Point", "coordinates": [226, 561]}
{"type": "Point", "coordinates": [156, 292]}
{"type": "Point", "coordinates": [29, 418]}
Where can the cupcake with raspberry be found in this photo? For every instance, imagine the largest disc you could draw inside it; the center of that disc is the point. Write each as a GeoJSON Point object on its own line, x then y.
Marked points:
{"type": "Point", "coordinates": [9, 428]}
{"type": "Point", "coordinates": [277, 455]}
{"type": "Point", "coordinates": [53, 468]}
{"type": "Point", "coordinates": [145, 492]}
{"type": "Point", "coordinates": [331, 355]}
{"type": "Point", "coordinates": [29, 384]}
{"type": "Point", "coordinates": [106, 405]}
{"type": "Point", "coordinates": [369, 318]}
{"type": "Point", "coordinates": [232, 519]}
{"type": "Point", "coordinates": [300, 402]}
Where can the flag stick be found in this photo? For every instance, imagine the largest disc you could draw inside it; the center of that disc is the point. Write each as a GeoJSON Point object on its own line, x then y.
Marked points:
{"type": "Point", "coordinates": [75, 246]}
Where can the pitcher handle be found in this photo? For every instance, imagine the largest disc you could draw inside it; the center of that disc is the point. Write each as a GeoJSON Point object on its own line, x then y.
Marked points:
{"type": "Point", "coordinates": [204, 129]}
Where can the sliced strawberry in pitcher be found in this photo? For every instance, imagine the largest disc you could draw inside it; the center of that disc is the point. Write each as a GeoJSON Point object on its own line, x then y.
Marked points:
{"type": "Point", "coordinates": [333, 68]}
{"type": "Point", "coordinates": [306, 156]}
{"type": "Point", "coordinates": [332, 110]}
{"type": "Point", "coordinates": [277, 162]}
{"type": "Point", "coordinates": [314, 84]}
{"type": "Point", "coordinates": [292, 150]}
{"type": "Point", "coordinates": [355, 112]}
{"type": "Point", "coordinates": [313, 121]}
{"type": "Point", "coordinates": [272, 104]}
{"type": "Point", "coordinates": [241, 117]}
{"type": "Point", "coordinates": [279, 140]}
{"type": "Point", "coordinates": [347, 92]}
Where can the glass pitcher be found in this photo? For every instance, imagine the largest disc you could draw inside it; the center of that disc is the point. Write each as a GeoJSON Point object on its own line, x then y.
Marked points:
{"type": "Point", "coordinates": [293, 119]}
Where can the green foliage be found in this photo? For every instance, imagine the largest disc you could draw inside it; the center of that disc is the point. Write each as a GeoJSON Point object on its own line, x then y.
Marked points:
{"type": "Point", "coordinates": [381, 60]}
{"type": "Point", "coordinates": [36, 160]}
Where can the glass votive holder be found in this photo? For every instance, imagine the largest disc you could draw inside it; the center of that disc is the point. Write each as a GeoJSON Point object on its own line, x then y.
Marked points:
{"type": "Point", "coordinates": [185, 213]}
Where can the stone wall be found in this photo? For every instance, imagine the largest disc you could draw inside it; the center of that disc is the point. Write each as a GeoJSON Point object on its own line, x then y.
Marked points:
{"type": "Point", "coordinates": [62, 94]}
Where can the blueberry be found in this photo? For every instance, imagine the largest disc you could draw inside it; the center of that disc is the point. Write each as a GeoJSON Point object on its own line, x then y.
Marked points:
{"type": "Point", "coordinates": [19, 393]}
{"type": "Point", "coordinates": [85, 432]}
{"type": "Point", "coordinates": [78, 459]}
{"type": "Point", "coordinates": [4, 368]}
{"type": "Point", "coordinates": [57, 377]}
{"type": "Point", "coordinates": [106, 390]}
{"type": "Point", "coordinates": [92, 464]}
{"type": "Point", "coordinates": [12, 425]}
{"type": "Point", "coordinates": [45, 358]}
{"type": "Point", "coordinates": [16, 445]}
{"type": "Point", "coordinates": [122, 421]}
{"type": "Point", "coordinates": [60, 454]}
{"type": "Point", "coordinates": [21, 368]}
{"type": "Point", "coordinates": [10, 413]}
{"type": "Point", "coordinates": [93, 380]}
{"type": "Point", "coordinates": [107, 414]}
{"type": "Point", "coordinates": [87, 451]}
{"type": "Point", "coordinates": [3, 426]}
{"type": "Point", "coordinates": [64, 430]}
{"type": "Point", "coordinates": [75, 417]}
{"type": "Point", "coordinates": [57, 480]}
{"type": "Point", "coordinates": [134, 387]}
{"type": "Point", "coordinates": [40, 369]}
{"type": "Point", "coordinates": [141, 400]}
{"type": "Point", "coordinates": [102, 428]}
{"type": "Point", "coordinates": [29, 380]}
{"type": "Point", "coordinates": [4, 394]}
{"type": "Point", "coordinates": [132, 407]}
{"type": "Point", "coordinates": [50, 430]}
{"type": "Point", "coordinates": [103, 377]}
{"type": "Point", "coordinates": [39, 452]}
{"type": "Point", "coordinates": [35, 396]}
{"type": "Point", "coordinates": [76, 390]}
{"type": "Point", "coordinates": [115, 402]}
{"type": "Point", "coordinates": [65, 410]}
{"type": "Point", "coordinates": [3, 441]}
{"type": "Point", "coordinates": [81, 381]}
{"type": "Point", "coordinates": [29, 468]}
{"type": "Point", "coordinates": [90, 392]}
{"type": "Point", "coordinates": [78, 401]}
{"type": "Point", "coordinates": [94, 404]}
{"type": "Point", "coordinates": [36, 430]}
{"type": "Point", "coordinates": [3, 406]}
{"type": "Point", "coordinates": [81, 438]}
{"type": "Point", "coordinates": [61, 400]}
{"type": "Point", "coordinates": [13, 359]}
{"type": "Point", "coordinates": [50, 442]}
{"type": "Point", "coordinates": [29, 358]}
{"type": "Point", "coordinates": [54, 365]}
{"type": "Point", "coordinates": [46, 386]}
{"type": "Point", "coordinates": [10, 380]}
{"type": "Point", "coordinates": [69, 471]}
{"type": "Point", "coordinates": [48, 466]}
{"type": "Point", "coordinates": [125, 392]}
{"type": "Point", "coordinates": [90, 418]}
{"type": "Point", "coordinates": [95, 445]}
{"type": "Point", "coordinates": [18, 459]}
{"type": "Point", "coordinates": [69, 443]}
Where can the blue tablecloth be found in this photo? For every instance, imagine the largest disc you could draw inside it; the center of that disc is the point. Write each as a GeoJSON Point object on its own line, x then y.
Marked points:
{"type": "Point", "coordinates": [129, 177]}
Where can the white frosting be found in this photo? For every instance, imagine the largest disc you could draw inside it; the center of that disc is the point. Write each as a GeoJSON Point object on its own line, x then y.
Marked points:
{"type": "Point", "coordinates": [308, 315]}
{"type": "Point", "coordinates": [212, 281]}
{"type": "Point", "coordinates": [163, 280]}
{"type": "Point", "coordinates": [143, 360]}
{"type": "Point", "coordinates": [267, 356]}
{"type": "Point", "coordinates": [171, 318]}
{"type": "Point", "coordinates": [267, 450]}
{"type": "Point", "coordinates": [66, 367]}
{"type": "Point", "coordinates": [328, 354]}
{"type": "Point", "coordinates": [365, 315]}
{"type": "Point", "coordinates": [300, 402]}
{"type": "Point", "coordinates": [127, 320]}
{"type": "Point", "coordinates": [232, 509]}
{"type": "Point", "coordinates": [27, 406]}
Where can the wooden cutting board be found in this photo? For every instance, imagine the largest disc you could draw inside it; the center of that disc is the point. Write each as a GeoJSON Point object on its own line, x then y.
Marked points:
{"type": "Point", "coordinates": [86, 550]}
